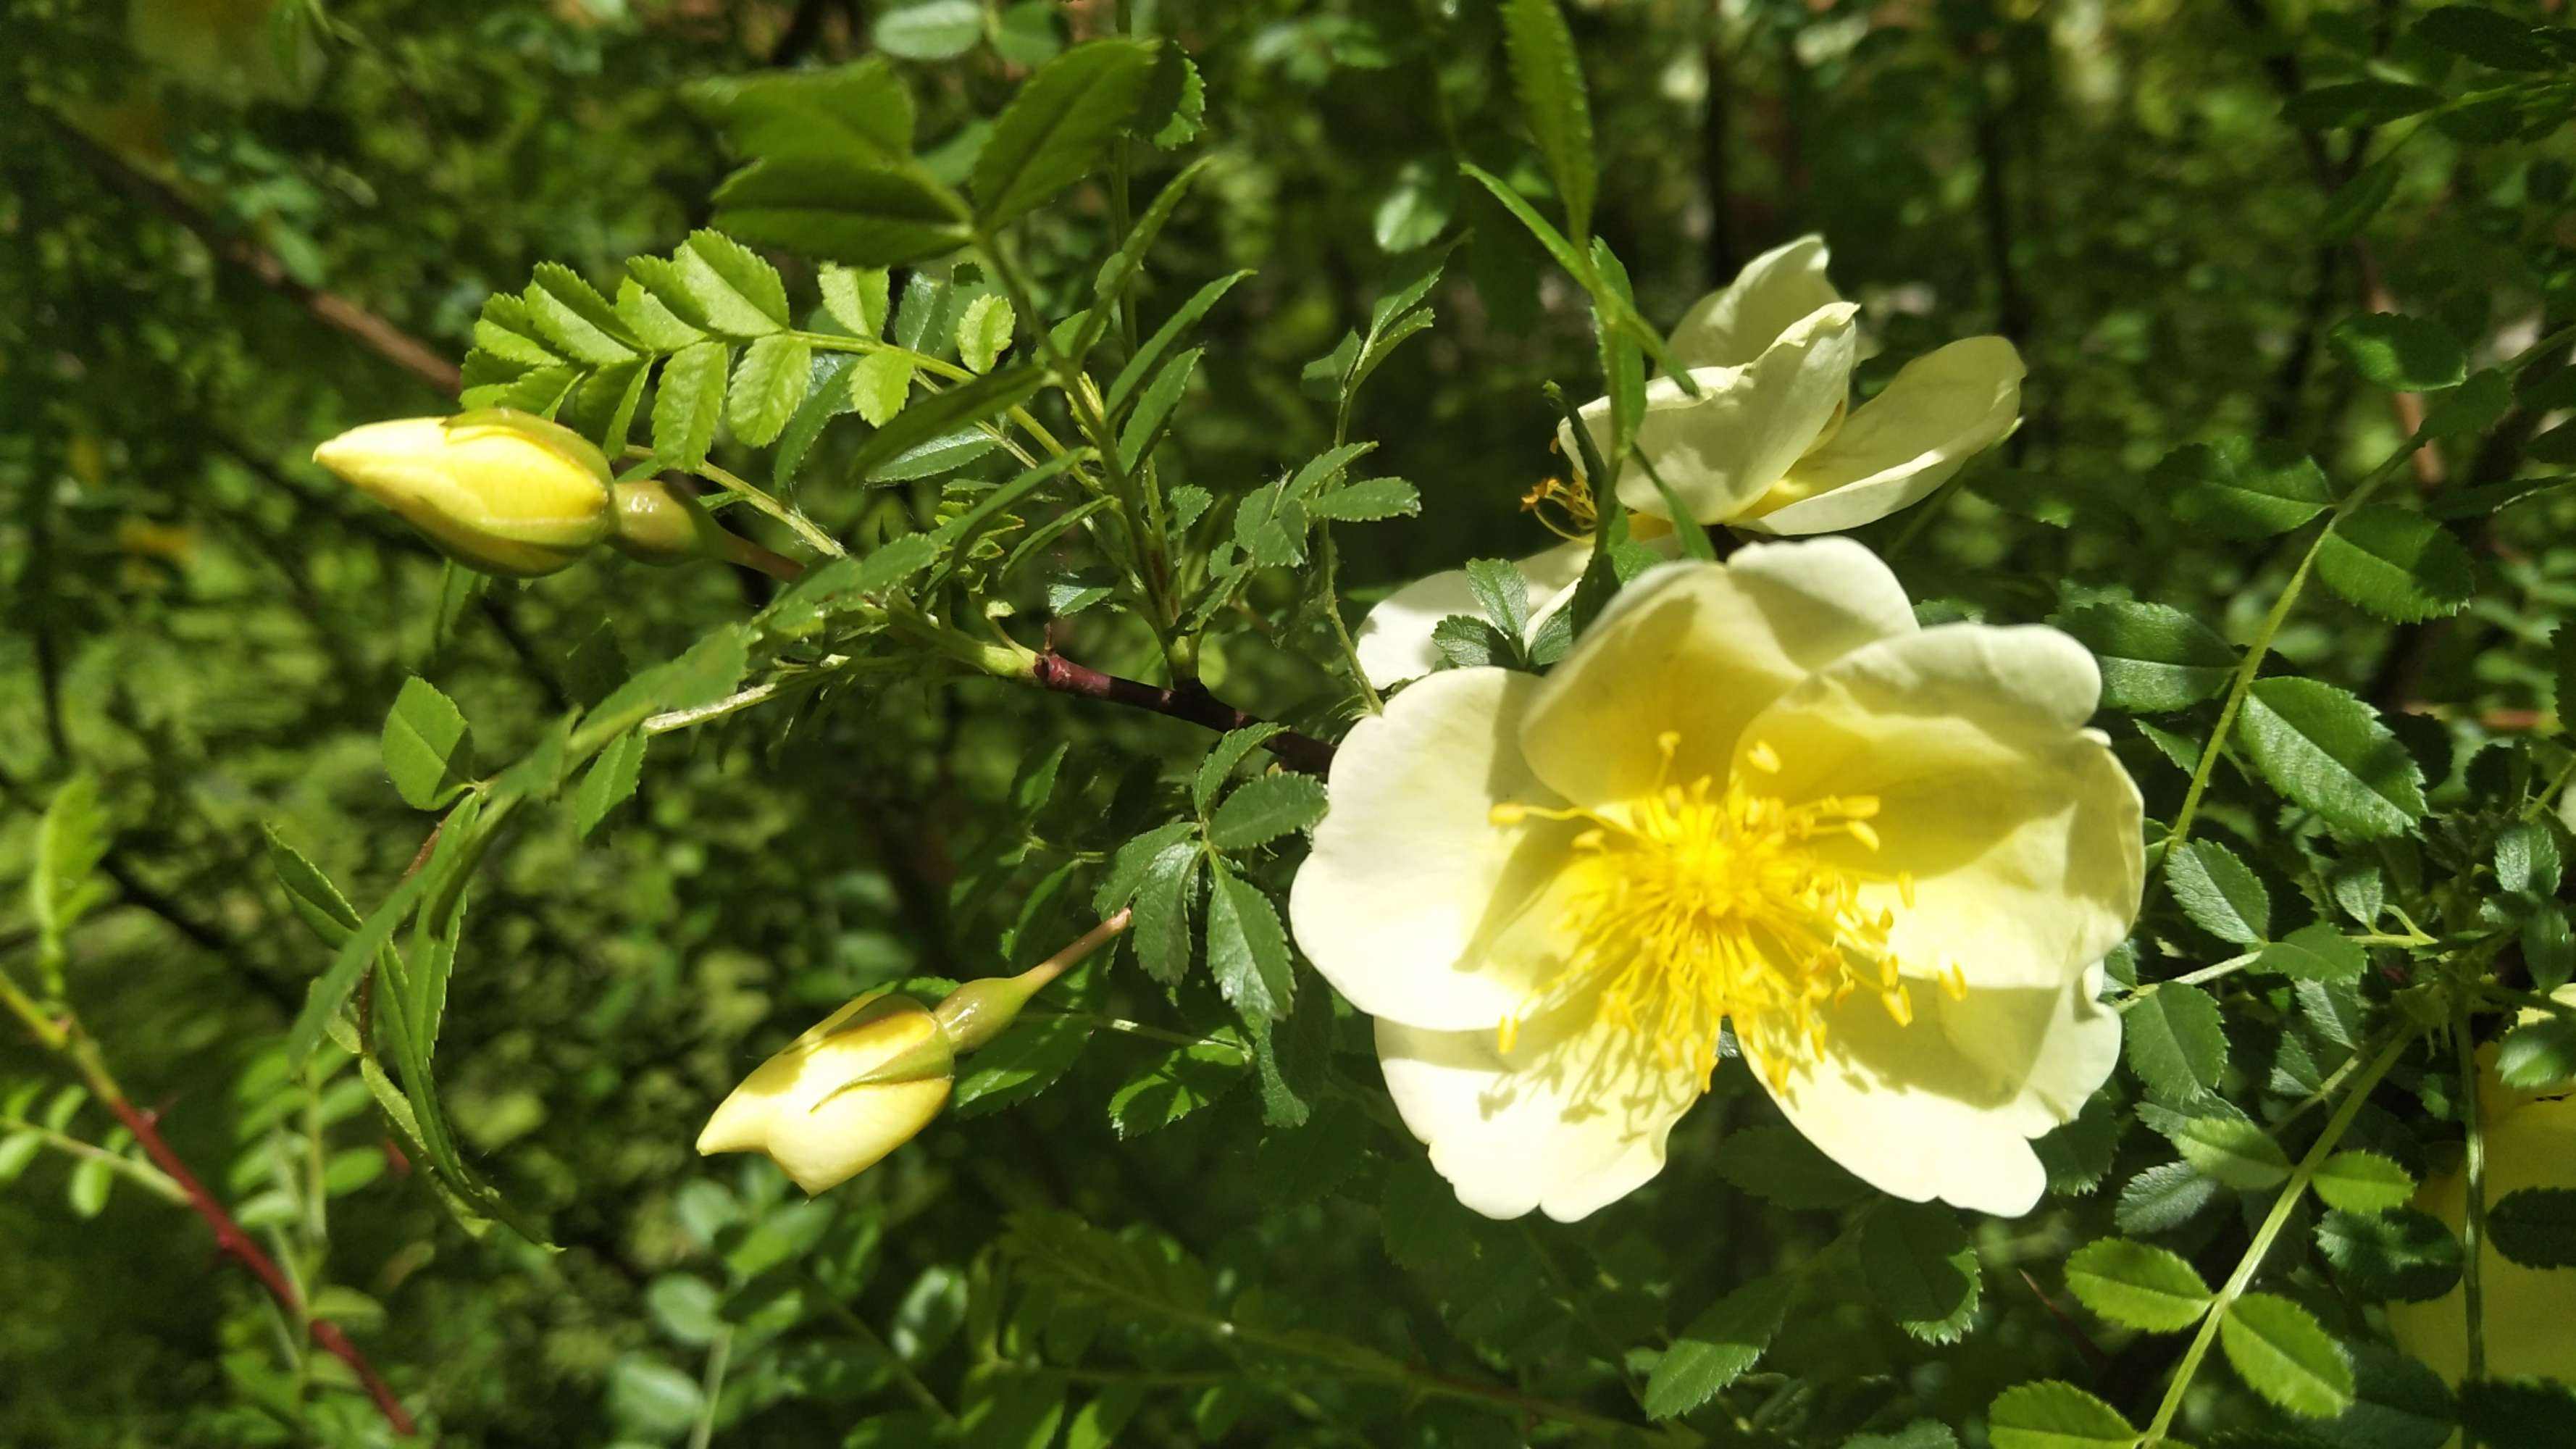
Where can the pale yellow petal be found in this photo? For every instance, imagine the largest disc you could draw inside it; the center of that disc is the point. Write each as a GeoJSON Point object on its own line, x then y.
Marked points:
{"type": "Point", "coordinates": [1570, 1120]}
{"type": "Point", "coordinates": [1394, 640]}
{"type": "Point", "coordinates": [1413, 903]}
{"type": "Point", "coordinates": [1946, 1107]}
{"type": "Point", "coordinates": [1722, 450]}
{"type": "Point", "coordinates": [1698, 649]}
{"type": "Point", "coordinates": [1938, 412]}
{"type": "Point", "coordinates": [1731, 326]}
{"type": "Point", "coordinates": [2018, 829]}
{"type": "Point", "coordinates": [802, 1109]}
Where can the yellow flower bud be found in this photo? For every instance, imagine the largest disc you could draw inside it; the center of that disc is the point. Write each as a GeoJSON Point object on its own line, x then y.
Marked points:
{"type": "Point", "coordinates": [836, 1100]}
{"type": "Point", "coordinates": [2530, 1142]}
{"type": "Point", "coordinates": [497, 490]}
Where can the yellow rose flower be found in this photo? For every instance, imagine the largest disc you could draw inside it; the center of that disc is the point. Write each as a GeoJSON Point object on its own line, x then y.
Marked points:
{"type": "Point", "coordinates": [836, 1100]}
{"type": "Point", "coordinates": [1769, 445]}
{"type": "Point", "coordinates": [501, 491]}
{"type": "Point", "coordinates": [1754, 795]}
{"type": "Point", "coordinates": [2530, 1142]}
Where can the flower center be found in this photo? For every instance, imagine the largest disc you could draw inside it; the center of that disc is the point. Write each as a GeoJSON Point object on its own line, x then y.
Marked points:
{"type": "Point", "coordinates": [1703, 903]}
{"type": "Point", "coordinates": [1566, 508]}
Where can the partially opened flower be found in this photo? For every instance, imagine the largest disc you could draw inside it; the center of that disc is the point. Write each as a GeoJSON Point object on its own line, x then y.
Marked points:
{"type": "Point", "coordinates": [2530, 1143]}
{"type": "Point", "coordinates": [832, 1103]}
{"type": "Point", "coordinates": [1768, 443]}
{"type": "Point", "coordinates": [1755, 796]}
{"type": "Point", "coordinates": [862, 1081]}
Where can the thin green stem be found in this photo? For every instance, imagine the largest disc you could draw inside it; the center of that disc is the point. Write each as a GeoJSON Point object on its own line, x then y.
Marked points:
{"type": "Point", "coordinates": [2256, 652]}
{"type": "Point", "coordinates": [803, 527]}
{"type": "Point", "coordinates": [913, 1386]}
{"type": "Point", "coordinates": [2473, 1226]}
{"type": "Point", "coordinates": [711, 1391]}
{"type": "Point", "coordinates": [151, 1179]}
{"type": "Point", "coordinates": [2508, 996]}
{"type": "Point", "coordinates": [2261, 1247]}
{"type": "Point", "coordinates": [1139, 506]}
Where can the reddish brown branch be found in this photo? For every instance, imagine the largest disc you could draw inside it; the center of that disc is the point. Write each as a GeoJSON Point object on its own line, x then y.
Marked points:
{"type": "Point", "coordinates": [230, 1239]}
{"type": "Point", "coordinates": [377, 335]}
{"type": "Point", "coordinates": [1193, 703]}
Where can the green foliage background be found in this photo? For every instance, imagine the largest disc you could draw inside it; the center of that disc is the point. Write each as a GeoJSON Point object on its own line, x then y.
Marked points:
{"type": "Point", "coordinates": [214, 629]}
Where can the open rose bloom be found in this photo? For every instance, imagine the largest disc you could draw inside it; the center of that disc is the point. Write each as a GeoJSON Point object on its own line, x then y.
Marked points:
{"type": "Point", "coordinates": [1756, 796]}
{"type": "Point", "coordinates": [1768, 444]}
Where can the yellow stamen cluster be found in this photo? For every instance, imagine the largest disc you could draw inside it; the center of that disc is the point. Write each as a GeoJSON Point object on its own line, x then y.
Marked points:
{"type": "Point", "coordinates": [1566, 508]}
{"type": "Point", "coordinates": [1699, 904]}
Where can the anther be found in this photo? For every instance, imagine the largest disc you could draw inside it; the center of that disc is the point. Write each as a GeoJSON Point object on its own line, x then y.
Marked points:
{"type": "Point", "coordinates": [1507, 814]}
{"type": "Point", "coordinates": [1764, 758]}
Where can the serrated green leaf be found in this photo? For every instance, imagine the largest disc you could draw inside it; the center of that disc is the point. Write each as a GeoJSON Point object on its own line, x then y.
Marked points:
{"type": "Point", "coordinates": [2489, 37]}
{"type": "Point", "coordinates": [1262, 809]}
{"type": "Point", "coordinates": [843, 210]}
{"type": "Point", "coordinates": [2315, 952]}
{"type": "Point", "coordinates": [1175, 1084]}
{"type": "Point", "coordinates": [929, 30]}
{"type": "Point", "coordinates": [1127, 868]}
{"type": "Point", "coordinates": [428, 751]}
{"type": "Point", "coordinates": [1059, 125]}
{"type": "Point", "coordinates": [2137, 1286]}
{"type": "Point", "coordinates": [317, 901]}
{"type": "Point", "coordinates": [2539, 1056]}
{"type": "Point", "coordinates": [688, 403]}
{"type": "Point", "coordinates": [2219, 892]}
{"type": "Point", "coordinates": [2174, 1041]}
{"type": "Point", "coordinates": [2328, 751]}
{"type": "Point", "coordinates": [611, 779]}
{"type": "Point", "coordinates": [1144, 427]}
{"type": "Point", "coordinates": [985, 331]}
{"type": "Point", "coordinates": [71, 839]}
{"type": "Point", "coordinates": [1921, 1268]}
{"type": "Point", "coordinates": [2154, 658]}
{"type": "Point", "coordinates": [1173, 327]}
{"type": "Point", "coordinates": [1162, 903]}
{"type": "Point", "coordinates": [1231, 749]}
{"type": "Point", "coordinates": [880, 383]}
{"type": "Point", "coordinates": [2356, 1181]}
{"type": "Point", "coordinates": [571, 315]}
{"type": "Point", "coordinates": [1367, 501]}
{"type": "Point", "coordinates": [2049, 1414]}
{"type": "Point", "coordinates": [857, 297]}
{"type": "Point", "coordinates": [768, 387]}
{"type": "Point", "coordinates": [1726, 1338]}
{"type": "Point", "coordinates": [2231, 1151]}
{"type": "Point", "coordinates": [2279, 1349]}
{"type": "Point", "coordinates": [2400, 353]}
{"type": "Point", "coordinates": [2401, 566]}
{"type": "Point", "coordinates": [939, 416]}
{"type": "Point", "coordinates": [1549, 82]}
{"type": "Point", "coordinates": [2242, 488]}
{"type": "Point", "coordinates": [859, 110]}
{"type": "Point", "coordinates": [2400, 1254]}
{"type": "Point", "coordinates": [1246, 949]}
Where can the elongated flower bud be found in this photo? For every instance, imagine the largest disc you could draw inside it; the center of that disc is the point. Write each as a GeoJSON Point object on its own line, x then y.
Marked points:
{"type": "Point", "coordinates": [497, 490]}
{"type": "Point", "coordinates": [855, 1087]}
{"type": "Point", "coordinates": [868, 1077]}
